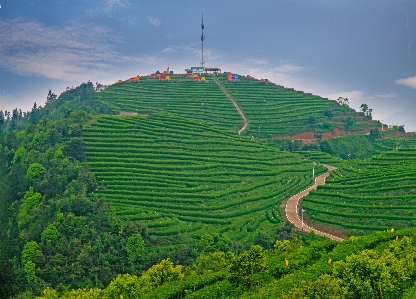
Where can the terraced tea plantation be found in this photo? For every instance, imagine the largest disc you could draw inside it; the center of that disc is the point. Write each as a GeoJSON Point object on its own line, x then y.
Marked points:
{"type": "Point", "coordinates": [274, 110]}
{"type": "Point", "coordinates": [271, 110]}
{"type": "Point", "coordinates": [184, 178]}
{"type": "Point", "coordinates": [202, 100]}
{"type": "Point", "coordinates": [368, 196]}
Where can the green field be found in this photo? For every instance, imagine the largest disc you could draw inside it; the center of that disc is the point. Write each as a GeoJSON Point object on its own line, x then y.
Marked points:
{"type": "Point", "coordinates": [181, 168]}
{"type": "Point", "coordinates": [369, 195]}
{"type": "Point", "coordinates": [274, 110]}
{"type": "Point", "coordinates": [271, 110]}
{"type": "Point", "coordinates": [184, 178]}
{"type": "Point", "coordinates": [182, 96]}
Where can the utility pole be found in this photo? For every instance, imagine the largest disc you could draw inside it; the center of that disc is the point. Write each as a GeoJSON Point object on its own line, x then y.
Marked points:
{"type": "Point", "coordinates": [303, 210]}
{"type": "Point", "coordinates": [202, 40]}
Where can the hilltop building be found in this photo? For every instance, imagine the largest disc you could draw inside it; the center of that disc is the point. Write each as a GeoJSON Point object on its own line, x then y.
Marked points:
{"type": "Point", "coordinates": [201, 69]}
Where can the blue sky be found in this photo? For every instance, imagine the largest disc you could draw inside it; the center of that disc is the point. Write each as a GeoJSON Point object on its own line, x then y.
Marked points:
{"type": "Point", "coordinates": [362, 50]}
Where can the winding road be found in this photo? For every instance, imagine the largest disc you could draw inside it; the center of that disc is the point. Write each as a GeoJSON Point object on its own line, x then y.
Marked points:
{"type": "Point", "coordinates": [292, 204]}
{"type": "Point", "coordinates": [230, 97]}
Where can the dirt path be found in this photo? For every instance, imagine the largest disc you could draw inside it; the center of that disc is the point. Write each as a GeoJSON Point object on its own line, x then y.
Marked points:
{"type": "Point", "coordinates": [229, 96]}
{"type": "Point", "coordinates": [293, 203]}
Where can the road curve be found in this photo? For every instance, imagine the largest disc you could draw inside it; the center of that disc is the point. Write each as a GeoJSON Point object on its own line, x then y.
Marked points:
{"type": "Point", "coordinates": [230, 97]}
{"type": "Point", "coordinates": [291, 208]}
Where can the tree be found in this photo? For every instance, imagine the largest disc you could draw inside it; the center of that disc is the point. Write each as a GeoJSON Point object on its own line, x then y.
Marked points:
{"type": "Point", "coordinates": [51, 98]}
{"type": "Point", "coordinates": [20, 156]}
{"type": "Point", "coordinates": [367, 111]}
{"type": "Point", "coordinates": [247, 269]}
{"type": "Point", "coordinates": [123, 286]}
{"type": "Point", "coordinates": [342, 101]}
{"type": "Point", "coordinates": [134, 248]}
{"type": "Point", "coordinates": [287, 246]}
{"type": "Point", "coordinates": [285, 232]}
{"type": "Point", "coordinates": [349, 122]}
{"type": "Point", "coordinates": [265, 241]}
{"type": "Point", "coordinates": [2, 121]}
{"type": "Point", "coordinates": [13, 122]}
{"type": "Point", "coordinates": [207, 241]}
{"type": "Point", "coordinates": [50, 234]}
{"type": "Point", "coordinates": [8, 279]}
{"type": "Point", "coordinates": [364, 108]}
{"type": "Point", "coordinates": [31, 255]}
{"type": "Point", "coordinates": [160, 273]}
{"type": "Point", "coordinates": [75, 149]}
{"type": "Point", "coordinates": [325, 287]}
{"type": "Point", "coordinates": [375, 133]}
{"type": "Point", "coordinates": [212, 262]}
{"type": "Point", "coordinates": [328, 113]}
{"type": "Point", "coordinates": [34, 170]}
{"type": "Point", "coordinates": [34, 117]}
{"type": "Point", "coordinates": [370, 275]}
{"type": "Point", "coordinates": [312, 120]}
{"type": "Point", "coordinates": [224, 243]}
{"type": "Point", "coordinates": [401, 129]}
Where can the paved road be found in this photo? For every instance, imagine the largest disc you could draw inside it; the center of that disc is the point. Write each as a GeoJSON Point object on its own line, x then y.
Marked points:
{"type": "Point", "coordinates": [225, 91]}
{"type": "Point", "coordinates": [293, 202]}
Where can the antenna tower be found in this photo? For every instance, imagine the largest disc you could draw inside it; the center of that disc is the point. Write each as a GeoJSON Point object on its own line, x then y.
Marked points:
{"type": "Point", "coordinates": [202, 40]}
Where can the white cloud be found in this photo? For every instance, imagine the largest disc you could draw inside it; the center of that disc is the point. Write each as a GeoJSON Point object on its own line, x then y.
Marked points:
{"type": "Point", "coordinates": [8, 102]}
{"type": "Point", "coordinates": [409, 82]}
{"type": "Point", "coordinates": [66, 53]}
{"type": "Point", "coordinates": [283, 74]}
{"type": "Point", "coordinates": [288, 68]}
{"type": "Point", "coordinates": [256, 61]}
{"type": "Point", "coordinates": [119, 3]}
{"type": "Point", "coordinates": [385, 96]}
{"type": "Point", "coordinates": [154, 21]}
{"type": "Point", "coordinates": [350, 95]}
{"type": "Point", "coordinates": [168, 50]}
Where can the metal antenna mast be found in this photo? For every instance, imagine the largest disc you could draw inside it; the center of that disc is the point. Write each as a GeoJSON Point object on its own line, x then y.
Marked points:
{"type": "Point", "coordinates": [202, 40]}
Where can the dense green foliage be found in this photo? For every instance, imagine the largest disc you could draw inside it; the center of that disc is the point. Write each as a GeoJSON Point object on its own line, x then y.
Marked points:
{"type": "Point", "coordinates": [381, 265]}
{"type": "Point", "coordinates": [362, 146]}
{"type": "Point", "coordinates": [54, 231]}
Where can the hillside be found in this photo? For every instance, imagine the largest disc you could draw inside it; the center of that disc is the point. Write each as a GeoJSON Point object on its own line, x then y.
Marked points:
{"type": "Point", "coordinates": [178, 176]}
{"type": "Point", "coordinates": [366, 196]}
{"type": "Point", "coordinates": [271, 110]}
{"type": "Point", "coordinates": [87, 193]}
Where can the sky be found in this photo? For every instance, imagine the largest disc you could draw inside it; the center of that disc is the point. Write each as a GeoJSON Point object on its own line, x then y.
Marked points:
{"type": "Point", "coordinates": [363, 50]}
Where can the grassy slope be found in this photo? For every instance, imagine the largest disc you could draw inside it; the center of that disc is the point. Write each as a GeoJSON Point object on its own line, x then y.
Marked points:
{"type": "Point", "coordinates": [369, 195]}
{"type": "Point", "coordinates": [278, 111]}
{"type": "Point", "coordinates": [182, 176]}
{"type": "Point", "coordinates": [282, 111]}
{"type": "Point", "coordinates": [182, 169]}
